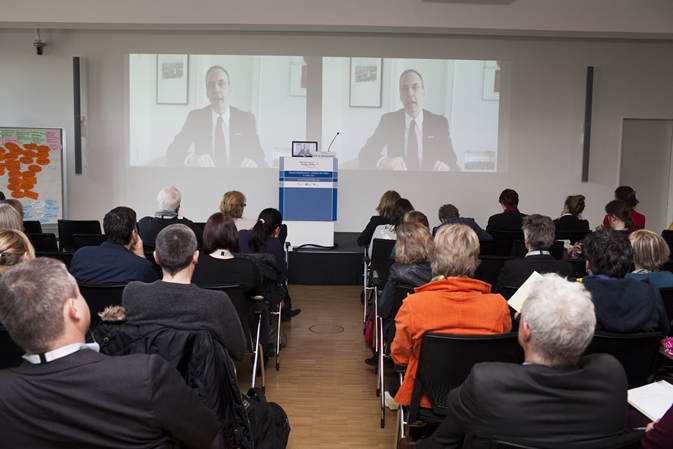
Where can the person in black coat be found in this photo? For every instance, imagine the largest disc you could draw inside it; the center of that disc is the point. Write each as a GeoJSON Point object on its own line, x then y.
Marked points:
{"type": "Point", "coordinates": [539, 233]}
{"type": "Point", "coordinates": [510, 219]}
{"type": "Point", "coordinates": [570, 220]}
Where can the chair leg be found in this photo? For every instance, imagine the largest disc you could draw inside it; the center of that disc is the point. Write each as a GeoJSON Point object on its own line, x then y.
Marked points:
{"type": "Point", "coordinates": [260, 351]}
{"type": "Point", "coordinates": [278, 338]}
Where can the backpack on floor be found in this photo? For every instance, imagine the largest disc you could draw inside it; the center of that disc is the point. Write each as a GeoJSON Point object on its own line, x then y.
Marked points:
{"type": "Point", "coordinates": [268, 421]}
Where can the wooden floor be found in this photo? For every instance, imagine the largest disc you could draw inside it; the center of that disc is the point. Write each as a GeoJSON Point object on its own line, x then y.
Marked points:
{"type": "Point", "coordinates": [324, 386]}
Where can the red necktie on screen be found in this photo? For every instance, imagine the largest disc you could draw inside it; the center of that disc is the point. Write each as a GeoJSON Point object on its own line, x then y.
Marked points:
{"type": "Point", "coordinates": [220, 144]}
{"type": "Point", "coordinates": [412, 148]}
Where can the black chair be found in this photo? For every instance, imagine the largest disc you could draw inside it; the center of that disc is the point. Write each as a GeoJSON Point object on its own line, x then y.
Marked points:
{"type": "Point", "coordinates": [10, 352]}
{"type": "Point", "coordinates": [556, 250]}
{"type": "Point", "coordinates": [43, 242]}
{"type": "Point", "coordinates": [504, 241]}
{"type": "Point", "coordinates": [65, 257]}
{"type": "Point", "coordinates": [629, 440]}
{"type": "Point", "coordinates": [487, 247]}
{"type": "Point", "coordinates": [149, 255]}
{"type": "Point", "coordinates": [579, 267]}
{"type": "Point", "coordinates": [489, 268]}
{"type": "Point", "coordinates": [636, 352]}
{"type": "Point", "coordinates": [82, 240]}
{"type": "Point", "coordinates": [201, 224]}
{"type": "Point", "coordinates": [667, 297]}
{"type": "Point", "coordinates": [667, 235]}
{"type": "Point", "coordinates": [574, 237]}
{"type": "Point", "coordinates": [237, 297]}
{"type": "Point", "coordinates": [32, 226]}
{"type": "Point", "coordinates": [375, 273]}
{"type": "Point", "coordinates": [100, 296]}
{"type": "Point", "coordinates": [68, 228]}
{"type": "Point", "coordinates": [444, 362]}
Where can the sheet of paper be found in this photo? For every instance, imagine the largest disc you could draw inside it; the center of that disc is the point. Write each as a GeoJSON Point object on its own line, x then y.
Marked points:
{"type": "Point", "coordinates": [518, 298]}
{"type": "Point", "coordinates": [653, 400]}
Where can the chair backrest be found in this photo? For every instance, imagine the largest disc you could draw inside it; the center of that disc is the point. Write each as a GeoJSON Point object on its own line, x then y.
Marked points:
{"type": "Point", "coordinates": [32, 226]}
{"type": "Point", "coordinates": [629, 440]}
{"type": "Point", "coordinates": [667, 235]}
{"type": "Point", "coordinates": [487, 247]}
{"type": "Point", "coordinates": [65, 257]}
{"type": "Point", "coordinates": [445, 362]}
{"type": "Point", "coordinates": [10, 352]}
{"type": "Point", "coordinates": [43, 242]}
{"type": "Point", "coordinates": [519, 249]}
{"type": "Point", "coordinates": [401, 292]}
{"type": "Point", "coordinates": [574, 237]}
{"type": "Point", "coordinates": [504, 241]}
{"type": "Point", "coordinates": [636, 352]}
{"type": "Point", "coordinates": [237, 297]}
{"type": "Point", "coordinates": [489, 268]}
{"type": "Point", "coordinates": [149, 255]}
{"type": "Point", "coordinates": [68, 228]}
{"type": "Point", "coordinates": [82, 240]}
{"type": "Point", "coordinates": [579, 267]}
{"type": "Point", "coordinates": [667, 297]}
{"type": "Point", "coordinates": [100, 296]}
{"type": "Point", "coordinates": [381, 249]}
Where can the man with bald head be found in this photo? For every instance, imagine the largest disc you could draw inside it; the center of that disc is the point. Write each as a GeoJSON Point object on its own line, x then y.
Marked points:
{"type": "Point", "coordinates": [414, 138]}
{"type": "Point", "coordinates": [218, 135]}
{"type": "Point", "coordinates": [66, 394]}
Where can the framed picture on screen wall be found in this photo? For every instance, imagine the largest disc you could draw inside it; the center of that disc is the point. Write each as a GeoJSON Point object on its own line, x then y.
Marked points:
{"type": "Point", "coordinates": [365, 82]}
{"type": "Point", "coordinates": [172, 79]}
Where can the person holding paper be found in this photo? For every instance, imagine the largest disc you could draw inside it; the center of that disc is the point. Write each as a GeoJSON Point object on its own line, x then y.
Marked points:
{"type": "Point", "coordinates": [557, 397]}
{"type": "Point", "coordinates": [539, 234]}
{"type": "Point", "coordinates": [659, 433]}
{"type": "Point", "coordinates": [222, 135]}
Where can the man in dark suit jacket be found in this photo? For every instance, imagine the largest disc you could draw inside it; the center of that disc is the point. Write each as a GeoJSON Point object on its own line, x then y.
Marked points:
{"type": "Point", "coordinates": [67, 395]}
{"type": "Point", "coordinates": [223, 136]}
{"type": "Point", "coordinates": [539, 234]}
{"type": "Point", "coordinates": [399, 132]}
{"type": "Point", "coordinates": [510, 219]}
{"type": "Point", "coordinates": [556, 396]}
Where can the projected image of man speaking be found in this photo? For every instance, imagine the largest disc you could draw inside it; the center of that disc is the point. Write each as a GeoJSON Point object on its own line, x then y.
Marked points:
{"type": "Point", "coordinates": [218, 135]}
{"type": "Point", "coordinates": [414, 138]}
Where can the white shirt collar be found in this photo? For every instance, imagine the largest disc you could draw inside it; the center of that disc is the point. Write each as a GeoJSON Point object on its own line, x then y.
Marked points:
{"type": "Point", "coordinates": [537, 252]}
{"type": "Point", "coordinates": [419, 120]}
{"type": "Point", "coordinates": [58, 353]}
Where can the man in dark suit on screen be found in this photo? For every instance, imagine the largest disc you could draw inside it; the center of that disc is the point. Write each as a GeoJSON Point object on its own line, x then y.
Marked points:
{"type": "Point", "coordinates": [222, 135]}
{"type": "Point", "coordinates": [414, 138]}
{"type": "Point", "coordinates": [557, 396]}
{"type": "Point", "coordinates": [66, 394]}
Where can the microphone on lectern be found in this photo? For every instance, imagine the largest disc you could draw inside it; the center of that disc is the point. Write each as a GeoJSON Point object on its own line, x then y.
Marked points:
{"type": "Point", "coordinates": [330, 145]}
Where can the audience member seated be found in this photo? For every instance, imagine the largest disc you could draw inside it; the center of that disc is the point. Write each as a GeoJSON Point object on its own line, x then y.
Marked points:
{"type": "Point", "coordinates": [619, 217]}
{"type": "Point", "coordinates": [570, 220]}
{"type": "Point", "coordinates": [10, 218]}
{"type": "Point", "coordinates": [67, 395]}
{"type": "Point", "coordinates": [383, 218]}
{"type": "Point", "coordinates": [659, 433]}
{"type": "Point", "coordinates": [14, 249]}
{"type": "Point", "coordinates": [217, 266]}
{"type": "Point", "coordinates": [177, 303]}
{"type": "Point", "coordinates": [556, 396]}
{"type": "Point", "coordinates": [626, 193]}
{"type": "Point", "coordinates": [414, 216]}
{"type": "Point", "coordinates": [448, 215]}
{"type": "Point", "coordinates": [650, 252]}
{"type": "Point", "coordinates": [510, 218]}
{"type": "Point", "coordinates": [168, 205]}
{"type": "Point", "coordinates": [539, 235]}
{"type": "Point", "coordinates": [452, 303]}
{"type": "Point", "coordinates": [387, 231]}
{"type": "Point", "coordinates": [411, 268]}
{"type": "Point", "coordinates": [622, 305]}
{"type": "Point", "coordinates": [16, 204]}
{"type": "Point", "coordinates": [233, 204]}
{"type": "Point", "coordinates": [117, 260]}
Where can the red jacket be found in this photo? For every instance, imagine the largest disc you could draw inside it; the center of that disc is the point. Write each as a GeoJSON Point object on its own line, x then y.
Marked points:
{"type": "Point", "coordinates": [450, 306]}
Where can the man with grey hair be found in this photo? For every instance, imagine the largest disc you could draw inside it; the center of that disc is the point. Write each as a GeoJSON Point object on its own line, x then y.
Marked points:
{"type": "Point", "coordinates": [177, 303]}
{"type": "Point", "coordinates": [557, 396]}
{"type": "Point", "coordinates": [539, 233]}
{"type": "Point", "coordinates": [168, 208]}
{"type": "Point", "coordinates": [66, 394]}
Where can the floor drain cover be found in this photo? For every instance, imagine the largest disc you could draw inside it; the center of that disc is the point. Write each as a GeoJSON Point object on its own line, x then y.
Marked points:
{"type": "Point", "coordinates": [326, 329]}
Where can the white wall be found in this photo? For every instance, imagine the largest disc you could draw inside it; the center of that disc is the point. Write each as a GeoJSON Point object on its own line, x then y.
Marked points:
{"type": "Point", "coordinates": [632, 80]}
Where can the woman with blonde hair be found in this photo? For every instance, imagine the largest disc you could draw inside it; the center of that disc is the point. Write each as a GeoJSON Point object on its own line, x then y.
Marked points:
{"type": "Point", "coordinates": [384, 209]}
{"type": "Point", "coordinates": [452, 303]}
{"type": "Point", "coordinates": [233, 204]}
{"type": "Point", "coordinates": [650, 252]}
{"type": "Point", "coordinates": [14, 249]}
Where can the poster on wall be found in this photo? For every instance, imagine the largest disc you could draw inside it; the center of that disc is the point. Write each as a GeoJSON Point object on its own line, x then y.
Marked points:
{"type": "Point", "coordinates": [31, 164]}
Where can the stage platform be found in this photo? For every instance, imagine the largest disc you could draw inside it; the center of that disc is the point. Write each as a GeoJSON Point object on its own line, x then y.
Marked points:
{"type": "Point", "coordinates": [321, 266]}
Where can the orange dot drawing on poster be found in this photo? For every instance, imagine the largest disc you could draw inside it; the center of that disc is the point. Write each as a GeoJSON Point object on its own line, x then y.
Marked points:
{"type": "Point", "coordinates": [19, 164]}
